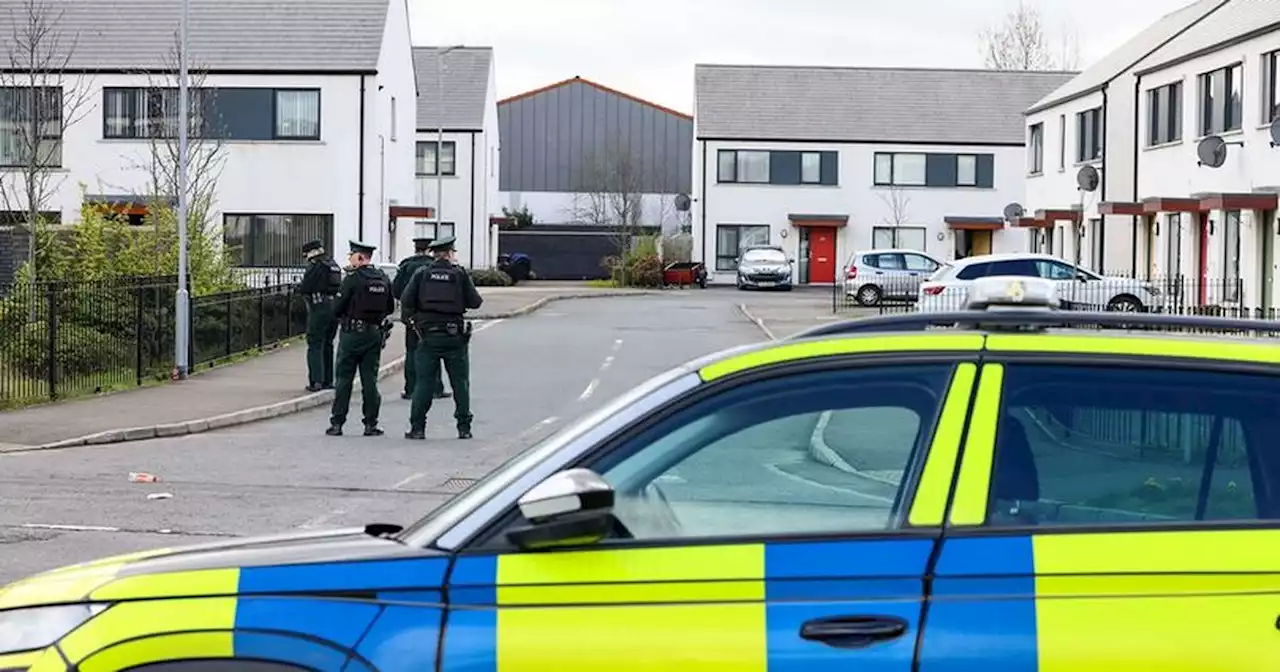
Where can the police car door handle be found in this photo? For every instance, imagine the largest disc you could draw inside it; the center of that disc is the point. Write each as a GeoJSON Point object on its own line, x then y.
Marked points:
{"type": "Point", "coordinates": [853, 632]}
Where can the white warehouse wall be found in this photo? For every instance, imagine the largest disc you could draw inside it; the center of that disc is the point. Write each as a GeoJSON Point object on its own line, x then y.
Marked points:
{"type": "Point", "coordinates": [867, 206]}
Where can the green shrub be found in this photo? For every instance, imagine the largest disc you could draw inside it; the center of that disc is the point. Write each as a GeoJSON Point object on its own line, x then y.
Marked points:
{"type": "Point", "coordinates": [490, 277]}
{"type": "Point", "coordinates": [79, 351]}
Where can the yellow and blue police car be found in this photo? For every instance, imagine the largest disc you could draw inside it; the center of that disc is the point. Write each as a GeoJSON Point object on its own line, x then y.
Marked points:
{"type": "Point", "coordinates": [1022, 491]}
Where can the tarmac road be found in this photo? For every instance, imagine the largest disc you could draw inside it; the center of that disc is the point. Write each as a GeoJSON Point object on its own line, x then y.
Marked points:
{"type": "Point", "coordinates": [529, 377]}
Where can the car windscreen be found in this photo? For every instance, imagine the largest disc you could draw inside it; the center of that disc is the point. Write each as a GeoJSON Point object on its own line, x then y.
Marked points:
{"type": "Point", "coordinates": [767, 256]}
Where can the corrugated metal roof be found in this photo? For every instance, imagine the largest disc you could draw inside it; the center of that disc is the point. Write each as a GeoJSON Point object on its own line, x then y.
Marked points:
{"type": "Point", "coordinates": [465, 78]}
{"type": "Point", "coordinates": [1234, 19]}
{"type": "Point", "coordinates": [251, 35]}
{"type": "Point", "coordinates": [867, 104]}
{"type": "Point", "coordinates": [1122, 59]}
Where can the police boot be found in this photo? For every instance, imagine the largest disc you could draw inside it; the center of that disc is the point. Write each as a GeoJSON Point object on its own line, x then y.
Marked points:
{"type": "Point", "coordinates": [315, 387]}
{"type": "Point", "coordinates": [416, 434]}
{"type": "Point", "coordinates": [334, 430]}
{"type": "Point", "coordinates": [464, 432]}
{"type": "Point", "coordinates": [443, 394]}
{"type": "Point", "coordinates": [373, 430]}
{"type": "Point", "coordinates": [406, 395]}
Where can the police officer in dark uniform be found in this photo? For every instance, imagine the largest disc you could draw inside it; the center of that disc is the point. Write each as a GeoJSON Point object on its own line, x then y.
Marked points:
{"type": "Point", "coordinates": [318, 287]}
{"type": "Point", "coordinates": [362, 307]}
{"type": "Point", "coordinates": [421, 257]}
{"type": "Point", "coordinates": [433, 303]}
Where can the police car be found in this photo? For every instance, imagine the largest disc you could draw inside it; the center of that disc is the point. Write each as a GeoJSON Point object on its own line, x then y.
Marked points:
{"type": "Point", "coordinates": [1030, 489]}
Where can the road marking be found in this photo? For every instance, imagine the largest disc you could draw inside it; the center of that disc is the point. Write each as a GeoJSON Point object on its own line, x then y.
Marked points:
{"type": "Point", "coordinates": [71, 528]}
{"type": "Point", "coordinates": [604, 366]}
{"type": "Point", "coordinates": [409, 480]}
{"type": "Point", "coordinates": [485, 325]}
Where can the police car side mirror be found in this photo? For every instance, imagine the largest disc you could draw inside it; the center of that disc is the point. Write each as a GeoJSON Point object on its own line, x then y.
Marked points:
{"type": "Point", "coordinates": [570, 508]}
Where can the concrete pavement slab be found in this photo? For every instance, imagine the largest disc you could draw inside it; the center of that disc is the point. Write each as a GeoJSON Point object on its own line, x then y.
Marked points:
{"type": "Point", "coordinates": [264, 387]}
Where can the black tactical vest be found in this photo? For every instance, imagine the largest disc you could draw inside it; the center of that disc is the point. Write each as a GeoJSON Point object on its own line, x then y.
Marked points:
{"type": "Point", "coordinates": [440, 290]}
{"type": "Point", "coordinates": [369, 300]}
{"type": "Point", "coordinates": [333, 277]}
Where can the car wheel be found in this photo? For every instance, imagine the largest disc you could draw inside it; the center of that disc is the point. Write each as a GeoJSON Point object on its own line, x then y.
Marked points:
{"type": "Point", "coordinates": [785, 288]}
{"type": "Point", "coordinates": [869, 295]}
{"type": "Point", "coordinates": [1125, 304]}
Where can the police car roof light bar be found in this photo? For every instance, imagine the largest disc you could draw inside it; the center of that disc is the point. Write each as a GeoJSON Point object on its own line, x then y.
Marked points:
{"type": "Point", "coordinates": [1023, 319]}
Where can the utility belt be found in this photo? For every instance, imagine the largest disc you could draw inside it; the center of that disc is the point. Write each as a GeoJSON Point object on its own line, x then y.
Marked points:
{"type": "Point", "coordinates": [351, 324]}
{"type": "Point", "coordinates": [316, 299]}
{"type": "Point", "coordinates": [458, 327]}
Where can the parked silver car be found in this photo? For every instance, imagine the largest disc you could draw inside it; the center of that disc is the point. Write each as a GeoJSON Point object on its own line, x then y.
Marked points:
{"type": "Point", "coordinates": [764, 267]}
{"type": "Point", "coordinates": [875, 275]}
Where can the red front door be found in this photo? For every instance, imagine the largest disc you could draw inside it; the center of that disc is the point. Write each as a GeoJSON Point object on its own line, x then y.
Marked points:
{"type": "Point", "coordinates": [822, 255]}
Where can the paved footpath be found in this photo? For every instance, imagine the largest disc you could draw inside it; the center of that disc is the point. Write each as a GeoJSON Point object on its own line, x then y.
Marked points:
{"type": "Point", "coordinates": [264, 387]}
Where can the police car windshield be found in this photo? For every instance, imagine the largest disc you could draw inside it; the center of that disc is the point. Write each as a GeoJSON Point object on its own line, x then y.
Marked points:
{"type": "Point", "coordinates": [775, 256]}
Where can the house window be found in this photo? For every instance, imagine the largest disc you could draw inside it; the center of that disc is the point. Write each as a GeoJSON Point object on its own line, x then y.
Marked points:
{"type": "Point", "coordinates": [1035, 149]}
{"type": "Point", "coordinates": [427, 158]}
{"type": "Point", "coordinates": [428, 229]}
{"type": "Point", "coordinates": [903, 170]}
{"type": "Point", "coordinates": [31, 126]}
{"type": "Point", "coordinates": [898, 237]}
{"type": "Point", "coordinates": [1062, 142]}
{"type": "Point", "coordinates": [271, 241]}
{"type": "Point", "coordinates": [1231, 255]}
{"type": "Point", "coordinates": [1089, 135]}
{"type": "Point", "coordinates": [1221, 93]}
{"type": "Point", "coordinates": [811, 167]}
{"type": "Point", "coordinates": [750, 167]}
{"type": "Point", "coordinates": [138, 113]}
{"type": "Point", "coordinates": [1173, 248]}
{"type": "Point", "coordinates": [298, 114]}
{"type": "Point", "coordinates": [1271, 86]}
{"type": "Point", "coordinates": [733, 239]}
{"type": "Point", "coordinates": [1164, 114]}
{"type": "Point", "coordinates": [966, 170]}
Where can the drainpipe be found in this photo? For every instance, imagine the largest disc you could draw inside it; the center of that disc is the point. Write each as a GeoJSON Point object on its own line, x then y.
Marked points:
{"type": "Point", "coordinates": [472, 245]}
{"type": "Point", "coordinates": [1137, 140]}
{"type": "Point", "coordinates": [1106, 127]}
{"type": "Point", "coordinates": [360, 199]}
{"type": "Point", "coordinates": [702, 233]}
{"type": "Point", "coordinates": [382, 192]}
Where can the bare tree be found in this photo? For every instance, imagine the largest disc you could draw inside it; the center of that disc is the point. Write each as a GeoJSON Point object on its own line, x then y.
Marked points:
{"type": "Point", "coordinates": [612, 196]}
{"type": "Point", "coordinates": [897, 202]}
{"type": "Point", "coordinates": [41, 100]}
{"type": "Point", "coordinates": [1020, 42]}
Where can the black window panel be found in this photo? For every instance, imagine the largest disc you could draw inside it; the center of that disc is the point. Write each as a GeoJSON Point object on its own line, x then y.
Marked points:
{"type": "Point", "coordinates": [784, 168]}
{"type": "Point", "coordinates": [274, 240]}
{"type": "Point", "coordinates": [940, 170]}
{"type": "Point", "coordinates": [246, 114]}
{"type": "Point", "coordinates": [830, 169]}
{"type": "Point", "coordinates": [986, 171]}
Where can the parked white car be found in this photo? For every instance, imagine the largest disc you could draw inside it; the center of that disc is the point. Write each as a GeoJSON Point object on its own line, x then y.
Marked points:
{"type": "Point", "coordinates": [948, 288]}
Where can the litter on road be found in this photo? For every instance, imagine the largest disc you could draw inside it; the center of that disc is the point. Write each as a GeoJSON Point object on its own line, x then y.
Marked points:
{"type": "Point", "coordinates": [143, 477]}
{"type": "Point", "coordinates": [160, 495]}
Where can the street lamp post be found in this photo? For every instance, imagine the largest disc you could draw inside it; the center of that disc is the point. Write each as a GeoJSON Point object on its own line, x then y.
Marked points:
{"type": "Point", "coordinates": [182, 309]}
{"type": "Point", "coordinates": [440, 135]}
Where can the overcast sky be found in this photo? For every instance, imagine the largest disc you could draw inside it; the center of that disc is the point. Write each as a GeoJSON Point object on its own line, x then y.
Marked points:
{"type": "Point", "coordinates": [648, 47]}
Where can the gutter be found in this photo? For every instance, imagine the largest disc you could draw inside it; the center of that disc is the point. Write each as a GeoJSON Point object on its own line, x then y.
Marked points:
{"type": "Point", "coordinates": [360, 198]}
{"type": "Point", "coordinates": [472, 245]}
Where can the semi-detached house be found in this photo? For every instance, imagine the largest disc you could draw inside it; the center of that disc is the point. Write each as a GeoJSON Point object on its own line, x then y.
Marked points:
{"type": "Point", "coordinates": [308, 106]}
{"type": "Point", "coordinates": [461, 176]}
{"type": "Point", "coordinates": [827, 161]}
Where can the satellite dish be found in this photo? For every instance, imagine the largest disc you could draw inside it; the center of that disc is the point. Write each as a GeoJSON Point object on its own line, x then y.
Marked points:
{"type": "Point", "coordinates": [1212, 152]}
{"type": "Point", "coordinates": [1087, 178]}
{"type": "Point", "coordinates": [683, 202]}
{"type": "Point", "coordinates": [1013, 211]}
{"type": "Point", "coordinates": [1275, 132]}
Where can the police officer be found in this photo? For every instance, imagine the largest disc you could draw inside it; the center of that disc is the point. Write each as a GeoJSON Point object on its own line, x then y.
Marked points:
{"type": "Point", "coordinates": [433, 303]}
{"type": "Point", "coordinates": [363, 304]}
{"type": "Point", "coordinates": [318, 287]}
{"type": "Point", "coordinates": [421, 257]}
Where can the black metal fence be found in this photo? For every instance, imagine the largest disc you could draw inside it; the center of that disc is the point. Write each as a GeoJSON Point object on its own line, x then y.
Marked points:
{"type": "Point", "coordinates": [1179, 295]}
{"type": "Point", "coordinates": [61, 339]}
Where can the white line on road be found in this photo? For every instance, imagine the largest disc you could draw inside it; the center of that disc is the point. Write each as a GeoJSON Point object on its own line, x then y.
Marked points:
{"type": "Point", "coordinates": [72, 528]}
{"type": "Point", "coordinates": [595, 382]}
{"type": "Point", "coordinates": [410, 479]}
{"type": "Point", "coordinates": [485, 325]}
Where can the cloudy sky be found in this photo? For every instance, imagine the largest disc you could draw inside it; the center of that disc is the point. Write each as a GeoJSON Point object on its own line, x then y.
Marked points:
{"type": "Point", "coordinates": [648, 47]}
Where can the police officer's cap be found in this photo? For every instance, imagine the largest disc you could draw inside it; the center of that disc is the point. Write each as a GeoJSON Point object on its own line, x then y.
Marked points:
{"type": "Point", "coordinates": [358, 247]}
{"type": "Point", "coordinates": [421, 244]}
{"type": "Point", "coordinates": [311, 246]}
{"type": "Point", "coordinates": [442, 244]}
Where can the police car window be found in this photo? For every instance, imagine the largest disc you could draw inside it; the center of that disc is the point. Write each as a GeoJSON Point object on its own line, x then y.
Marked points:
{"type": "Point", "coordinates": [821, 452]}
{"type": "Point", "coordinates": [1098, 446]}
